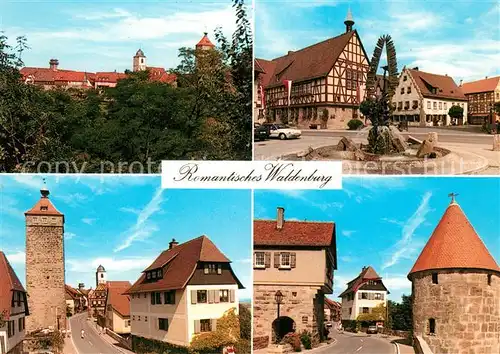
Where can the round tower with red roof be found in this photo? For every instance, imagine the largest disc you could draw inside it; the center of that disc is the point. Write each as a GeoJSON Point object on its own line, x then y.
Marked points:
{"type": "Point", "coordinates": [456, 289]}
{"type": "Point", "coordinates": [205, 43]}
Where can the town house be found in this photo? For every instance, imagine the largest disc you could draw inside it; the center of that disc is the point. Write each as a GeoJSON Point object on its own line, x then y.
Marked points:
{"type": "Point", "coordinates": [183, 293]}
{"type": "Point", "coordinates": [482, 96]}
{"type": "Point", "coordinates": [13, 309]}
{"type": "Point", "coordinates": [293, 266]}
{"type": "Point", "coordinates": [424, 99]}
{"type": "Point", "coordinates": [118, 307]}
{"type": "Point", "coordinates": [363, 294]}
{"type": "Point", "coordinates": [321, 84]}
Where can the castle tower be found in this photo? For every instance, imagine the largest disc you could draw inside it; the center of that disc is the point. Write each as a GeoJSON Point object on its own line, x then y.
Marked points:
{"type": "Point", "coordinates": [100, 276]}
{"type": "Point", "coordinates": [45, 266]}
{"type": "Point", "coordinates": [205, 43]}
{"type": "Point", "coordinates": [349, 21]}
{"type": "Point", "coordinates": [139, 61]}
{"type": "Point", "coordinates": [456, 289]}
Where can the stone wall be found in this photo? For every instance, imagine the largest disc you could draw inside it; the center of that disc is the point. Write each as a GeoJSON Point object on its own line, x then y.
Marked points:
{"type": "Point", "coordinates": [45, 273]}
{"type": "Point", "coordinates": [304, 305]}
{"type": "Point", "coordinates": [465, 308]}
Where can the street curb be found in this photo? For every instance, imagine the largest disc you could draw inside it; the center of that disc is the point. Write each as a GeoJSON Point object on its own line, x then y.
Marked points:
{"type": "Point", "coordinates": [397, 348]}
{"type": "Point", "coordinates": [323, 346]}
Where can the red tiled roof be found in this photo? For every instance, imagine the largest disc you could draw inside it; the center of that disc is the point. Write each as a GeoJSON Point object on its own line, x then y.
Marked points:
{"type": "Point", "coordinates": [205, 42]}
{"type": "Point", "coordinates": [454, 244]}
{"type": "Point", "coordinates": [367, 273]}
{"type": "Point", "coordinates": [109, 77]}
{"type": "Point", "coordinates": [293, 233]}
{"type": "Point", "coordinates": [266, 69]}
{"type": "Point", "coordinates": [161, 75]}
{"type": "Point", "coordinates": [484, 85]}
{"type": "Point", "coordinates": [178, 265]}
{"type": "Point", "coordinates": [9, 282]}
{"type": "Point", "coordinates": [332, 304]}
{"type": "Point", "coordinates": [43, 203]}
{"type": "Point", "coordinates": [116, 297]}
{"type": "Point", "coordinates": [314, 61]}
{"type": "Point", "coordinates": [50, 75]}
{"type": "Point", "coordinates": [444, 85]}
{"type": "Point", "coordinates": [73, 293]}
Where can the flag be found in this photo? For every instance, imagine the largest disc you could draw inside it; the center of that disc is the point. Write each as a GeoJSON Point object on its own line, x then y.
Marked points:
{"type": "Point", "coordinates": [288, 88]}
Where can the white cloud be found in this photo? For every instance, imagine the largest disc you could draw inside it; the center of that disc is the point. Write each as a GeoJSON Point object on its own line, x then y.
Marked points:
{"type": "Point", "coordinates": [142, 229]}
{"type": "Point", "coordinates": [88, 221]}
{"type": "Point", "coordinates": [348, 233]}
{"type": "Point", "coordinates": [347, 259]}
{"type": "Point", "coordinates": [92, 16]}
{"type": "Point", "coordinates": [73, 199]}
{"type": "Point", "coordinates": [69, 235]}
{"type": "Point", "coordinates": [130, 210]}
{"type": "Point", "coordinates": [245, 261]}
{"type": "Point", "coordinates": [110, 264]}
{"type": "Point", "coordinates": [17, 258]}
{"type": "Point", "coordinates": [406, 247]}
{"type": "Point", "coordinates": [397, 282]}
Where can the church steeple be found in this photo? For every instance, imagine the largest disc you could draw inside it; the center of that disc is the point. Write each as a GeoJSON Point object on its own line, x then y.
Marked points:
{"type": "Point", "coordinates": [349, 21]}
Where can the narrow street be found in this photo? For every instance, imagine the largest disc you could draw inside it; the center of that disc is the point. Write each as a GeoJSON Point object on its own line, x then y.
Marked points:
{"type": "Point", "coordinates": [93, 342]}
{"type": "Point", "coordinates": [349, 343]}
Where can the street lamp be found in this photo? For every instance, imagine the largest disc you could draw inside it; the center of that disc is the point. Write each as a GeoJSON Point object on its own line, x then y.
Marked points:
{"type": "Point", "coordinates": [279, 300]}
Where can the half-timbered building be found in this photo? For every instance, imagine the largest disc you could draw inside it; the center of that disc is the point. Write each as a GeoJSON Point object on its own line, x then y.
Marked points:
{"type": "Point", "coordinates": [482, 96]}
{"type": "Point", "coordinates": [321, 84]}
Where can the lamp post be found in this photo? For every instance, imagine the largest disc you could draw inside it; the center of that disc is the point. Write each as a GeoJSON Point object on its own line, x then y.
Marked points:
{"type": "Point", "coordinates": [278, 297]}
{"type": "Point", "coordinates": [279, 300]}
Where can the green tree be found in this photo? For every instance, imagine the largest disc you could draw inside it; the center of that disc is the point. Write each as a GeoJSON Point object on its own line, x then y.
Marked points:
{"type": "Point", "coordinates": [400, 314]}
{"type": "Point", "coordinates": [245, 322]}
{"type": "Point", "coordinates": [378, 313]}
{"type": "Point", "coordinates": [496, 108]}
{"type": "Point", "coordinates": [456, 112]}
{"type": "Point", "coordinates": [226, 333]}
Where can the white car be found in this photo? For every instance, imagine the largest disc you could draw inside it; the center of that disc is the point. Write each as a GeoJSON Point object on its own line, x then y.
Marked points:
{"type": "Point", "coordinates": [283, 132]}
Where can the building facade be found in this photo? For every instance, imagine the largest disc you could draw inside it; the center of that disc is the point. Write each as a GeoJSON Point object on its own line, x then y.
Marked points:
{"type": "Point", "coordinates": [456, 289]}
{"type": "Point", "coordinates": [363, 294]}
{"type": "Point", "coordinates": [45, 283]}
{"type": "Point", "coordinates": [75, 302]}
{"type": "Point", "coordinates": [97, 297]}
{"type": "Point", "coordinates": [321, 84]}
{"type": "Point", "coordinates": [293, 270]}
{"type": "Point", "coordinates": [424, 99]}
{"type": "Point", "coordinates": [482, 96]}
{"type": "Point", "coordinates": [13, 309]}
{"type": "Point", "coordinates": [183, 293]}
{"type": "Point", "coordinates": [333, 310]}
{"type": "Point", "coordinates": [118, 308]}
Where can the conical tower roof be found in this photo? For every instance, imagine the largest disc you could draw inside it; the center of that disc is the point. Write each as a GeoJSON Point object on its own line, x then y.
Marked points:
{"type": "Point", "coordinates": [349, 17]}
{"type": "Point", "coordinates": [454, 244]}
{"type": "Point", "coordinates": [205, 41]}
{"type": "Point", "coordinates": [43, 206]}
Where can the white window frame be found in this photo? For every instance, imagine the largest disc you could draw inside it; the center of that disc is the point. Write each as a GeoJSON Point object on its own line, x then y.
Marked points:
{"type": "Point", "coordinates": [285, 266]}
{"type": "Point", "coordinates": [257, 265]}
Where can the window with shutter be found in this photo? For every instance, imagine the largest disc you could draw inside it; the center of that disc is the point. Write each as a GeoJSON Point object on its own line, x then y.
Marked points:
{"type": "Point", "coordinates": [259, 260]}
{"type": "Point", "coordinates": [284, 260]}
{"type": "Point", "coordinates": [201, 296]}
{"type": "Point", "coordinates": [224, 295]}
{"type": "Point", "coordinates": [205, 325]}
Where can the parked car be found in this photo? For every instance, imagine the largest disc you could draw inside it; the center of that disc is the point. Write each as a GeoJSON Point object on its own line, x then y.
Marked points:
{"type": "Point", "coordinates": [283, 131]}
{"type": "Point", "coordinates": [260, 132]}
{"type": "Point", "coordinates": [372, 329]}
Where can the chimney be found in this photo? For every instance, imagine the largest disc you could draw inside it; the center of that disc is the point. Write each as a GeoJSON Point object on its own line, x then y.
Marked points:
{"type": "Point", "coordinates": [290, 52]}
{"type": "Point", "coordinates": [461, 82]}
{"type": "Point", "coordinates": [485, 77]}
{"type": "Point", "coordinates": [81, 286]}
{"type": "Point", "coordinates": [172, 244]}
{"type": "Point", "coordinates": [280, 219]}
{"type": "Point", "coordinates": [53, 64]}
{"type": "Point", "coordinates": [415, 68]}
{"type": "Point", "coordinates": [363, 269]}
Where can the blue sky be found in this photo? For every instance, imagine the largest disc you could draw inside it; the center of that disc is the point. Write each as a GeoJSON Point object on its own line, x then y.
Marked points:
{"type": "Point", "coordinates": [124, 222]}
{"type": "Point", "coordinates": [385, 222]}
{"type": "Point", "coordinates": [104, 35]}
{"type": "Point", "coordinates": [458, 38]}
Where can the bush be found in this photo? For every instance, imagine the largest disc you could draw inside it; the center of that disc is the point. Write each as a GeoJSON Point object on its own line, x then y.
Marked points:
{"type": "Point", "coordinates": [294, 340]}
{"type": "Point", "coordinates": [243, 346]}
{"type": "Point", "coordinates": [144, 345]}
{"type": "Point", "coordinates": [305, 338]}
{"type": "Point", "coordinates": [354, 124]}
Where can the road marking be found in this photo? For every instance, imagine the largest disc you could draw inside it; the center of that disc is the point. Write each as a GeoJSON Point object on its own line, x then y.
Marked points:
{"type": "Point", "coordinates": [91, 343]}
{"type": "Point", "coordinates": [359, 349]}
